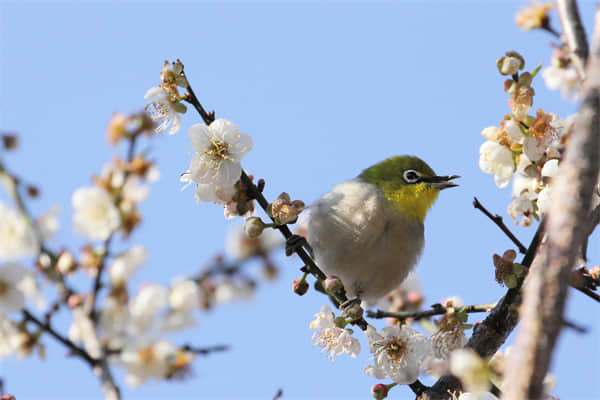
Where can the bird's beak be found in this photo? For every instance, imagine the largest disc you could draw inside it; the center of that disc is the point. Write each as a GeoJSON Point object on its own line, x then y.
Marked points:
{"type": "Point", "coordinates": [441, 182]}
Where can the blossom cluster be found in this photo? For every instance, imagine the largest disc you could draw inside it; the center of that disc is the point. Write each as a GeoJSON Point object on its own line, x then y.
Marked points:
{"type": "Point", "coordinates": [526, 147]}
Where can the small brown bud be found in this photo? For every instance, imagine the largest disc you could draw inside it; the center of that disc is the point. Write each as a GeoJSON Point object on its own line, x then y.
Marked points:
{"type": "Point", "coordinates": [300, 286]}
{"type": "Point", "coordinates": [379, 391]}
{"type": "Point", "coordinates": [10, 141]}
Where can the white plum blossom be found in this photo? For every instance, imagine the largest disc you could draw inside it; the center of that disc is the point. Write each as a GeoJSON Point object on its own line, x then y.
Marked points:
{"type": "Point", "coordinates": [48, 223]}
{"type": "Point", "coordinates": [513, 131]}
{"type": "Point", "coordinates": [397, 353]}
{"type": "Point", "coordinates": [12, 297]}
{"type": "Point", "coordinates": [164, 109]}
{"type": "Point", "coordinates": [144, 307]}
{"type": "Point", "coordinates": [17, 236]}
{"type": "Point", "coordinates": [184, 295]}
{"type": "Point", "coordinates": [521, 205]}
{"type": "Point", "coordinates": [533, 148]}
{"type": "Point", "coordinates": [332, 339]}
{"type": "Point", "coordinates": [240, 247]}
{"type": "Point", "coordinates": [95, 216]}
{"type": "Point", "coordinates": [9, 336]}
{"type": "Point", "coordinates": [563, 78]}
{"type": "Point", "coordinates": [145, 361]}
{"type": "Point", "coordinates": [497, 160]}
{"type": "Point", "coordinates": [472, 371]}
{"type": "Point", "coordinates": [114, 322]}
{"type": "Point", "coordinates": [492, 133]}
{"type": "Point", "coordinates": [30, 288]}
{"type": "Point", "coordinates": [218, 150]}
{"type": "Point", "coordinates": [543, 200]}
{"type": "Point", "coordinates": [123, 267]}
{"type": "Point", "coordinates": [229, 291]}
{"type": "Point", "coordinates": [550, 168]}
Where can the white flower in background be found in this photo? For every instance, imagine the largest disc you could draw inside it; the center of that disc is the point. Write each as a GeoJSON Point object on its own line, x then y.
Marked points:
{"type": "Point", "coordinates": [521, 206]}
{"type": "Point", "coordinates": [563, 78]}
{"type": "Point", "coordinates": [229, 291]}
{"type": "Point", "coordinates": [135, 190]}
{"type": "Point", "coordinates": [550, 168]}
{"type": "Point", "coordinates": [219, 148]}
{"type": "Point", "coordinates": [397, 353]}
{"type": "Point", "coordinates": [184, 295]}
{"type": "Point", "coordinates": [445, 342]}
{"type": "Point", "coordinates": [472, 371]}
{"type": "Point", "coordinates": [543, 200]}
{"type": "Point", "coordinates": [114, 322]}
{"type": "Point", "coordinates": [513, 131]}
{"type": "Point", "coordinates": [497, 160]}
{"type": "Point", "coordinates": [95, 216]}
{"type": "Point", "coordinates": [9, 336]}
{"type": "Point", "coordinates": [143, 362]}
{"type": "Point", "coordinates": [49, 223]}
{"type": "Point", "coordinates": [492, 133]}
{"type": "Point", "coordinates": [17, 237]}
{"type": "Point", "coordinates": [124, 266]}
{"type": "Point", "coordinates": [12, 297]}
{"type": "Point", "coordinates": [145, 306]}
{"type": "Point", "coordinates": [240, 247]}
{"type": "Point", "coordinates": [30, 288]}
{"type": "Point", "coordinates": [332, 339]}
{"type": "Point", "coordinates": [82, 331]}
{"type": "Point", "coordinates": [176, 320]}
{"type": "Point", "coordinates": [533, 148]}
{"type": "Point", "coordinates": [164, 109]}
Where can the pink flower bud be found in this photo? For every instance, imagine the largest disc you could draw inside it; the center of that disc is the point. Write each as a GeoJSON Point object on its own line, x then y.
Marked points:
{"type": "Point", "coordinates": [332, 284]}
{"type": "Point", "coordinates": [379, 391]}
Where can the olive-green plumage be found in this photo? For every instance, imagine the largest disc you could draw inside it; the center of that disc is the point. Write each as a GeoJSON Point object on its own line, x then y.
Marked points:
{"type": "Point", "coordinates": [369, 231]}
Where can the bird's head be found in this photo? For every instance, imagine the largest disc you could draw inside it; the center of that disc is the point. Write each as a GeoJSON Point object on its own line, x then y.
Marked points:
{"type": "Point", "coordinates": [408, 183]}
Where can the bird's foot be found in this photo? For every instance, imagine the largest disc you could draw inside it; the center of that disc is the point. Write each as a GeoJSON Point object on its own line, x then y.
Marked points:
{"type": "Point", "coordinates": [296, 242]}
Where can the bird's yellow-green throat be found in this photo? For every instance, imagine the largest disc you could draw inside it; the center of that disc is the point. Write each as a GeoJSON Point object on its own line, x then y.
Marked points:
{"type": "Point", "coordinates": [403, 181]}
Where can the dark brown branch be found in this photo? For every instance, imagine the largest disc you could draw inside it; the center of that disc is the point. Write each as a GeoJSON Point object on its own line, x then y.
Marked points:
{"type": "Point", "coordinates": [437, 309]}
{"type": "Point", "coordinates": [589, 292]}
{"type": "Point", "coordinates": [498, 221]}
{"type": "Point", "coordinates": [278, 395]}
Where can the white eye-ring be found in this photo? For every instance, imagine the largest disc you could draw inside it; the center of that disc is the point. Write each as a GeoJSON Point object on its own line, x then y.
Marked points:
{"type": "Point", "coordinates": [411, 176]}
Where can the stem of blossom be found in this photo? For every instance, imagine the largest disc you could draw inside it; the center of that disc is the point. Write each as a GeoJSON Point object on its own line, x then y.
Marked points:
{"type": "Point", "coordinates": [45, 326]}
{"type": "Point", "coordinates": [574, 33]}
{"type": "Point", "coordinates": [437, 309]}
{"type": "Point", "coordinates": [498, 221]}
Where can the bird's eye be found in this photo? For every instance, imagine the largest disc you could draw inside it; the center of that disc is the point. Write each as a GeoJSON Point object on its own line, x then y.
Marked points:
{"type": "Point", "coordinates": [411, 176]}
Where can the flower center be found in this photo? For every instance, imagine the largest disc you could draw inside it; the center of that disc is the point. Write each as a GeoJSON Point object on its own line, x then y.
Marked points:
{"type": "Point", "coordinates": [218, 151]}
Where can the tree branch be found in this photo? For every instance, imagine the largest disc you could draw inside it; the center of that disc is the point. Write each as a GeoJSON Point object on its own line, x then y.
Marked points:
{"type": "Point", "coordinates": [437, 309]}
{"type": "Point", "coordinates": [498, 221]}
{"type": "Point", "coordinates": [548, 281]}
{"type": "Point", "coordinates": [574, 33]}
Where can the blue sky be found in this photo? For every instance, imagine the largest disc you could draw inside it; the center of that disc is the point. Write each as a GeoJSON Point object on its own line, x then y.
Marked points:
{"type": "Point", "coordinates": [325, 89]}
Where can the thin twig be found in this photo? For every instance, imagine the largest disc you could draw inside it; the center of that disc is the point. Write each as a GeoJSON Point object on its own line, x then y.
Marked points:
{"type": "Point", "coordinates": [46, 327]}
{"type": "Point", "coordinates": [437, 309]}
{"type": "Point", "coordinates": [498, 221]}
{"type": "Point", "coordinates": [589, 292]}
{"type": "Point", "coordinates": [278, 394]}
{"type": "Point", "coordinates": [577, 328]}
{"type": "Point", "coordinates": [205, 350]}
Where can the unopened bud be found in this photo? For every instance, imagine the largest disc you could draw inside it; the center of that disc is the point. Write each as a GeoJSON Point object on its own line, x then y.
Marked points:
{"type": "Point", "coordinates": [7, 397]}
{"type": "Point", "coordinates": [509, 255]}
{"type": "Point", "coordinates": [33, 191]}
{"type": "Point", "coordinates": [75, 300]}
{"type": "Point", "coordinates": [508, 65]}
{"type": "Point", "coordinates": [510, 86]}
{"type": "Point", "coordinates": [525, 79]}
{"type": "Point", "coordinates": [514, 54]}
{"type": "Point", "coordinates": [300, 286]}
{"type": "Point", "coordinates": [332, 284]}
{"type": "Point", "coordinates": [254, 227]}
{"type": "Point", "coordinates": [65, 263]}
{"type": "Point", "coordinates": [10, 141]}
{"type": "Point", "coordinates": [354, 312]}
{"type": "Point", "coordinates": [379, 391]}
{"type": "Point", "coordinates": [510, 281]}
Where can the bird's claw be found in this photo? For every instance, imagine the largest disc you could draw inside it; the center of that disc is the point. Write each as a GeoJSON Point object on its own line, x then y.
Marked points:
{"type": "Point", "coordinates": [296, 242]}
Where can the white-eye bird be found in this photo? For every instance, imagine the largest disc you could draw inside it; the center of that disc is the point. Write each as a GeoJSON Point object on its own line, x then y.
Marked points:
{"type": "Point", "coordinates": [368, 231]}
